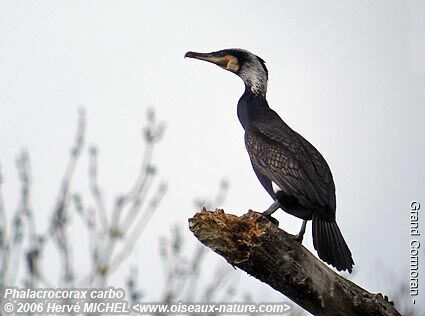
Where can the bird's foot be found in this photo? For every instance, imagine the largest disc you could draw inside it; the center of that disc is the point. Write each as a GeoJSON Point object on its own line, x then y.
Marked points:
{"type": "Point", "coordinates": [299, 238]}
{"type": "Point", "coordinates": [268, 213]}
{"type": "Point", "coordinates": [271, 219]}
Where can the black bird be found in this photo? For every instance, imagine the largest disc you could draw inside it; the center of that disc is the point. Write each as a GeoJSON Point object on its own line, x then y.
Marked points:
{"type": "Point", "coordinates": [291, 169]}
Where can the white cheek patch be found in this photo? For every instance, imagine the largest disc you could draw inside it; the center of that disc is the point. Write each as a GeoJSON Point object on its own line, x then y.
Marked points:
{"type": "Point", "coordinates": [275, 187]}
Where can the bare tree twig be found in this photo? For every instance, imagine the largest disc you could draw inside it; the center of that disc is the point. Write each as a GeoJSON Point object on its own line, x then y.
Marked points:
{"type": "Point", "coordinates": [220, 277]}
{"type": "Point", "coordinates": [60, 215]}
{"type": "Point", "coordinates": [95, 188]}
{"type": "Point", "coordinates": [152, 134]}
{"type": "Point", "coordinates": [17, 233]}
{"type": "Point", "coordinates": [139, 227]}
{"type": "Point", "coordinates": [88, 217]}
{"type": "Point", "coordinates": [3, 219]}
{"type": "Point", "coordinates": [194, 272]}
{"type": "Point", "coordinates": [135, 294]}
{"type": "Point", "coordinates": [24, 169]}
{"type": "Point", "coordinates": [33, 253]}
{"type": "Point", "coordinates": [134, 199]}
{"type": "Point", "coordinates": [183, 273]}
{"type": "Point", "coordinates": [137, 205]}
{"type": "Point", "coordinates": [137, 202]}
{"type": "Point", "coordinates": [4, 237]}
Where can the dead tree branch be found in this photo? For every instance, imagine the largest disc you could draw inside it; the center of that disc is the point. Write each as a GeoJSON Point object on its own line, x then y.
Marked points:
{"type": "Point", "coordinates": [257, 246]}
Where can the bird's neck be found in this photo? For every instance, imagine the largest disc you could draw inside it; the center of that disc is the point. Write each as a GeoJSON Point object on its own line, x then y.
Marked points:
{"type": "Point", "coordinates": [251, 106]}
{"type": "Point", "coordinates": [256, 88]}
{"type": "Point", "coordinates": [255, 82]}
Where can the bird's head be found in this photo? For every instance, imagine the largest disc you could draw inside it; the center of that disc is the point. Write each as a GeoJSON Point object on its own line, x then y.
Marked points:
{"type": "Point", "coordinates": [249, 67]}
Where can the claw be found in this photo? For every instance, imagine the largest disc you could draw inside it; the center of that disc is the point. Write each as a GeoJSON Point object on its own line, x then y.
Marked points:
{"type": "Point", "coordinates": [299, 238]}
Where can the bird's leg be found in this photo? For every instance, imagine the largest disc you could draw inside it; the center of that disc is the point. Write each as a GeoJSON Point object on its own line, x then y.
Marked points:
{"type": "Point", "coordinates": [300, 235]}
{"type": "Point", "coordinates": [268, 213]}
{"type": "Point", "coordinates": [272, 208]}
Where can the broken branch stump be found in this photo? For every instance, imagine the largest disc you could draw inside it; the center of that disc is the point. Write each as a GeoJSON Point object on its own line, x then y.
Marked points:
{"type": "Point", "coordinates": [254, 244]}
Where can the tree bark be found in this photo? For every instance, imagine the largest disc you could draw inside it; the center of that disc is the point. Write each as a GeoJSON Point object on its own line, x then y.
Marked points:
{"type": "Point", "coordinates": [254, 244]}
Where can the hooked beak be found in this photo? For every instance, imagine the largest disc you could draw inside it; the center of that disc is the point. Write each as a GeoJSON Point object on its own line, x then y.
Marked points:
{"type": "Point", "coordinates": [227, 62]}
{"type": "Point", "coordinates": [210, 57]}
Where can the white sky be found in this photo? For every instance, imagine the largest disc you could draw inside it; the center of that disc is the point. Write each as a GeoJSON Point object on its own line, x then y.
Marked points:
{"type": "Point", "coordinates": [349, 76]}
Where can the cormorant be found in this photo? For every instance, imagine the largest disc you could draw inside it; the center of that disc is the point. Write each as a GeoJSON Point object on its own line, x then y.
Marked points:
{"type": "Point", "coordinates": [291, 169]}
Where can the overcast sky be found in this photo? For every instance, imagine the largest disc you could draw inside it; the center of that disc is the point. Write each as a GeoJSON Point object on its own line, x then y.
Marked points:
{"type": "Point", "coordinates": [347, 75]}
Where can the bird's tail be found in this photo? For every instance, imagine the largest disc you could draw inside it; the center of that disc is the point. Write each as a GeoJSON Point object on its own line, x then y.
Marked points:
{"type": "Point", "coordinates": [330, 245]}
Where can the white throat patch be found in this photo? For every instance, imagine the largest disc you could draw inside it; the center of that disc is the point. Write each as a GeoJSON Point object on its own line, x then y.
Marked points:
{"type": "Point", "coordinates": [254, 75]}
